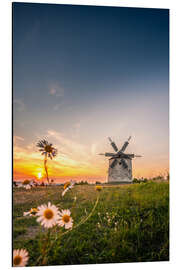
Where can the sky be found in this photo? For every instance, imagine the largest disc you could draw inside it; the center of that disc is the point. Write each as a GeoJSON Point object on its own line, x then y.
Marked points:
{"type": "Point", "coordinates": [81, 74]}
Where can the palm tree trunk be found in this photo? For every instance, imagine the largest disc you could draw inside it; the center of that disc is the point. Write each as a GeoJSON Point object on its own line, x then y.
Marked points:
{"type": "Point", "coordinates": [46, 169]}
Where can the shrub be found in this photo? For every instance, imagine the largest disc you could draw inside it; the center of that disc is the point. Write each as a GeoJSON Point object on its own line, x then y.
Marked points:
{"type": "Point", "coordinates": [26, 182]}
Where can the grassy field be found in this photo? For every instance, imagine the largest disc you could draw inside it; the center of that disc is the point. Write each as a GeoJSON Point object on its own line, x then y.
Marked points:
{"type": "Point", "coordinates": [129, 224]}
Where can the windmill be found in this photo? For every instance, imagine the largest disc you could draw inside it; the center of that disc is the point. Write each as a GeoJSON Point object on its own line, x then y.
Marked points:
{"type": "Point", "coordinates": [120, 163]}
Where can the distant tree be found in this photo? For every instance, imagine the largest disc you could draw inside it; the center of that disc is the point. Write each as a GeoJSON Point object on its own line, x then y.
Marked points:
{"type": "Point", "coordinates": [135, 181]}
{"type": "Point", "coordinates": [140, 180]}
{"type": "Point", "coordinates": [26, 182]}
{"type": "Point", "coordinates": [48, 151]}
{"type": "Point", "coordinates": [97, 182]}
{"type": "Point", "coordinates": [82, 183]}
{"type": "Point", "coordinates": [14, 184]}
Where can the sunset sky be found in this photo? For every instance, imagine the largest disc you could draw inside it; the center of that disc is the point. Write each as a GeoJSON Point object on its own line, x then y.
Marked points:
{"type": "Point", "coordinates": [81, 74]}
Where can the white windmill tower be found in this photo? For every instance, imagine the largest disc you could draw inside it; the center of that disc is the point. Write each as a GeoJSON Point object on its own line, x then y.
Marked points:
{"type": "Point", "coordinates": [120, 164]}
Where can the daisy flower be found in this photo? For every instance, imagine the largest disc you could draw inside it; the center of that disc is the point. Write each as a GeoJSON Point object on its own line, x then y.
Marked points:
{"type": "Point", "coordinates": [20, 257]}
{"type": "Point", "coordinates": [32, 212]}
{"type": "Point", "coordinates": [65, 219]}
{"type": "Point", "coordinates": [32, 184]}
{"type": "Point", "coordinates": [67, 186]}
{"type": "Point", "coordinates": [98, 188]}
{"type": "Point", "coordinates": [48, 215]}
{"type": "Point", "coordinates": [27, 187]}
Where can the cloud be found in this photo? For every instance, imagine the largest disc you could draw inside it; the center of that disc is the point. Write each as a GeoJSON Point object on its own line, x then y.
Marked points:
{"type": "Point", "coordinates": [77, 125]}
{"type": "Point", "coordinates": [93, 148]}
{"type": "Point", "coordinates": [24, 152]}
{"type": "Point", "coordinates": [74, 154]}
{"type": "Point", "coordinates": [74, 160]}
{"type": "Point", "coordinates": [76, 130]}
{"type": "Point", "coordinates": [52, 91]}
{"type": "Point", "coordinates": [16, 139]}
{"type": "Point", "coordinates": [56, 90]}
{"type": "Point", "coordinates": [19, 105]}
{"type": "Point", "coordinates": [67, 146]}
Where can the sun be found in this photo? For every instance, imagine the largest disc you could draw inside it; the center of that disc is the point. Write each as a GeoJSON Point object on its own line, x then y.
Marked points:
{"type": "Point", "coordinates": [39, 175]}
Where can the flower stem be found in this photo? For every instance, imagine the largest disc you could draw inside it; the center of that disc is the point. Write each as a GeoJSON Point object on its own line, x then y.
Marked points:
{"type": "Point", "coordinates": [85, 219]}
{"type": "Point", "coordinates": [82, 221]}
{"type": "Point", "coordinates": [48, 246]}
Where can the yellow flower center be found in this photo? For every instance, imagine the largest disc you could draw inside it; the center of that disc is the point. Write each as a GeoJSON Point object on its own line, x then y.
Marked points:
{"type": "Point", "coordinates": [98, 188]}
{"type": "Point", "coordinates": [33, 211]}
{"type": "Point", "coordinates": [17, 260]}
{"type": "Point", "coordinates": [66, 218]}
{"type": "Point", "coordinates": [48, 214]}
{"type": "Point", "coordinates": [66, 185]}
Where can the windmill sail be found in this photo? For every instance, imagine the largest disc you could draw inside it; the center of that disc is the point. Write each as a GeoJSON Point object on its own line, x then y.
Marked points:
{"type": "Point", "coordinates": [109, 154]}
{"type": "Point", "coordinates": [124, 163]}
{"type": "Point", "coordinates": [125, 145]}
{"type": "Point", "coordinates": [113, 164]}
{"type": "Point", "coordinates": [113, 145]}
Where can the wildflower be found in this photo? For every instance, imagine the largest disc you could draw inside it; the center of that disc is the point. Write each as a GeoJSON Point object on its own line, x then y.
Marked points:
{"type": "Point", "coordinates": [67, 186]}
{"type": "Point", "coordinates": [65, 219]}
{"type": "Point", "coordinates": [32, 184]}
{"type": "Point", "coordinates": [27, 187]}
{"type": "Point", "coordinates": [20, 185]}
{"type": "Point", "coordinates": [32, 212]}
{"type": "Point", "coordinates": [48, 215]}
{"type": "Point", "coordinates": [98, 188]}
{"type": "Point", "coordinates": [20, 257]}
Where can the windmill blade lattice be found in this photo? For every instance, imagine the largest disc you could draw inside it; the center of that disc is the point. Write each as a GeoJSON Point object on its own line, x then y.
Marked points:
{"type": "Point", "coordinates": [113, 164]}
{"type": "Point", "coordinates": [114, 146]}
{"type": "Point", "coordinates": [124, 164]}
{"type": "Point", "coordinates": [125, 145]}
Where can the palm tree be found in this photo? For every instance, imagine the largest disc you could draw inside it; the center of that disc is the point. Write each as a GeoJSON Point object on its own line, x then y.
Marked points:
{"type": "Point", "coordinates": [47, 150]}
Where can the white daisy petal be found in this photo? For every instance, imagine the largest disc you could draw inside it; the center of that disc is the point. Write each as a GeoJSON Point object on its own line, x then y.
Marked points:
{"type": "Point", "coordinates": [68, 186]}
{"type": "Point", "coordinates": [26, 214]}
{"type": "Point", "coordinates": [20, 257]}
{"type": "Point", "coordinates": [65, 219]}
{"type": "Point", "coordinates": [68, 212]}
{"type": "Point", "coordinates": [47, 215]}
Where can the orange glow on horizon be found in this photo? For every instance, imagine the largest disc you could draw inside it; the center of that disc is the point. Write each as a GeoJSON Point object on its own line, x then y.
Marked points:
{"type": "Point", "coordinates": [79, 162]}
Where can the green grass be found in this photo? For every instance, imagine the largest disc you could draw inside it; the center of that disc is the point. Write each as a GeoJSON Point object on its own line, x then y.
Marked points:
{"type": "Point", "coordinates": [130, 224]}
